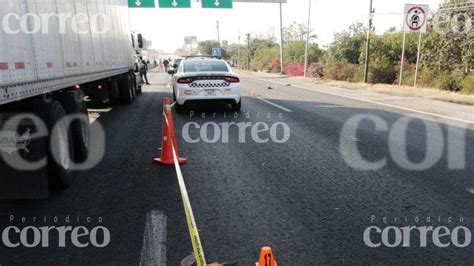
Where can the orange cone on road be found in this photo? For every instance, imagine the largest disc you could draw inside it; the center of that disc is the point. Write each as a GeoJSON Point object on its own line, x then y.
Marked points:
{"type": "Point", "coordinates": [169, 138]}
{"type": "Point", "coordinates": [266, 257]}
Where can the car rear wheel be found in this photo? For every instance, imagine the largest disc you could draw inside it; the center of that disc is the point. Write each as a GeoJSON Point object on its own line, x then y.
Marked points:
{"type": "Point", "coordinates": [237, 106]}
{"type": "Point", "coordinates": [180, 108]}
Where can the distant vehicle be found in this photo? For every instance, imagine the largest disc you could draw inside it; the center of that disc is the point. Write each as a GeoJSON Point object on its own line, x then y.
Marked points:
{"type": "Point", "coordinates": [205, 79]}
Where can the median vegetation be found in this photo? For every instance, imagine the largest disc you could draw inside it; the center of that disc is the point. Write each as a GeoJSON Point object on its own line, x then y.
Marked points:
{"type": "Point", "coordinates": [447, 59]}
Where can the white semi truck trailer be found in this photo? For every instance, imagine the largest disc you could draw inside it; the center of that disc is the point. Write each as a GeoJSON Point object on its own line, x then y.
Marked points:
{"type": "Point", "coordinates": [55, 56]}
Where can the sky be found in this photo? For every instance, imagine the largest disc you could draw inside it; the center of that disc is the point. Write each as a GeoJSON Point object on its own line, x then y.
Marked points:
{"type": "Point", "coordinates": [166, 28]}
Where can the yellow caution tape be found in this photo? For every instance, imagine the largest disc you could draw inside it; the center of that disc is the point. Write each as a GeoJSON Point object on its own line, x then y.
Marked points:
{"type": "Point", "coordinates": [193, 231]}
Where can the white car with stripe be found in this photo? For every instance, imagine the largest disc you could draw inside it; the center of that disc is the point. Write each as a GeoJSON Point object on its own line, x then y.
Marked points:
{"type": "Point", "coordinates": [206, 79]}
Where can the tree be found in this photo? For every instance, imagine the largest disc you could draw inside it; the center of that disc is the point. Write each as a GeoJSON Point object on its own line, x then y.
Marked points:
{"type": "Point", "coordinates": [448, 45]}
{"type": "Point", "coordinates": [205, 47]}
{"type": "Point", "coordinates": [295, 52]}
{"type": "Point", "coordinates": [348, 45]}
{"type": "Point", "coordinates": [296, 32]}
{"type": "Point", "coordinates": [232, 51]}
{"type": "Point", "coordinates": [264, 57]}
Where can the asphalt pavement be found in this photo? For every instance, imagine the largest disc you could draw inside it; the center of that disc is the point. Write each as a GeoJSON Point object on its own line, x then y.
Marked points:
{"type": "Point", "coordinates": [296, 192]}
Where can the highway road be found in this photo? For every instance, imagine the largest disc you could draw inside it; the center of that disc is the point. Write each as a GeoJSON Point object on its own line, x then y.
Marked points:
{"type": "Point", "coordinates": [306, 197]}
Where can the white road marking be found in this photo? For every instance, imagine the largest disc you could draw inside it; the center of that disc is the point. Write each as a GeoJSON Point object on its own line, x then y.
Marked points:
{"type": "Point", "coordinates": [189, 260]}
{"type": "Point", "coordinates": [376, 103]}
{"type": "Point", "coordinates": [471, 190]}
{"type": "Point", "coordinates": [329, 106]}
{"type": "Point", "coordinates": [154, 240]}
{"type": "Point", "coordinates": [276, 105]}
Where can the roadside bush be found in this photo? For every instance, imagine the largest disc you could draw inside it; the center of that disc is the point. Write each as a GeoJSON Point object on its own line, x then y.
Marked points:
{"type": "Point", "coordinates": [341, 71]}
{"type": "Point", "coordinates": [276, 66]}
{"type": "Point", "coordinates": [427, 78]}
{"type": "Point", "coordinates": [382, 70]}
{"type": "Point", "coordinates": [315, 70]}
{"type": "Point", "coordinates": [447, 81]}
{"type": "Point", "coordinates": [257, 66]}
{"type": "Point", "coordinates": [263, 58]}
{"type": "Point", "coordinates": [294, 69]}
{"type": "Point", "coordinates": [467, 84]}
{"type": "Point", "coordinates": [408, 75]}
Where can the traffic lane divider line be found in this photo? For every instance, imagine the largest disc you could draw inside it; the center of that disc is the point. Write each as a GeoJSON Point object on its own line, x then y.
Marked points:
{"type": "Point", "coordinates": [191, 221]}
{"type": "Point", "coordinates": [275, 105]}
{"type": "Point", "coordinates": [375, 102]}
{"type": "Point", "coordinates": [154, 239]}
{"type": "Point", "coordinates": [188, 261]}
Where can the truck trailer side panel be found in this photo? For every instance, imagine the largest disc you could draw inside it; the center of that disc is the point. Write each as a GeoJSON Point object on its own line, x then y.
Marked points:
{"type": "Point", "coordinates": [79, 41]}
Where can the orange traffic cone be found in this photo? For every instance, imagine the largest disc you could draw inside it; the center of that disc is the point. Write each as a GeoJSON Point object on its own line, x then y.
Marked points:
{"type": "Point", "coordinates": [168, 138]}
{"type": "Point", "coordinates": [266, 257]}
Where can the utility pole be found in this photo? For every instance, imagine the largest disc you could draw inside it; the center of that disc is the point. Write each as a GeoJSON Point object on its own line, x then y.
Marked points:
{"type": "Point", "coordinates": [248, 51]}
{"type": "Point", "coordinates": [367, 51]}
{"type": "Point", "coordinates": [282, 63]}
{"type": "Point", "coordinates": [403, 57]}
{"type": "Point", "coordinates": [307, 40]}
{"type": "Point", "coordinates": [218, 33]}
{"type": "Point", "coordinates": [418, 58]}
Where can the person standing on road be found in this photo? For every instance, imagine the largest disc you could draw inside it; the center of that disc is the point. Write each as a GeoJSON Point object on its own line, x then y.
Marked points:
{"type": "Point", "coordinates": [144, 70]}
{"type": "Point", "coordinates": [166, 63]}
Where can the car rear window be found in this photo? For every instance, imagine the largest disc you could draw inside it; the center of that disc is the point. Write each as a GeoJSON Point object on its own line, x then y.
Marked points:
{"type": "Point", "coordinates": [205, 66]}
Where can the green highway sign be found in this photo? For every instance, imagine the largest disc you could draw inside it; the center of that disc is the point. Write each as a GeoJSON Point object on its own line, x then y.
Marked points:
{"type": "Point", "coordinates": [190, 40]}
{"type": "Point", "coordinates": [216, 3]}
{"type": "Point", "coordinates": [141, 3]}
{"type": "Point", "coordinates": [174, 3]}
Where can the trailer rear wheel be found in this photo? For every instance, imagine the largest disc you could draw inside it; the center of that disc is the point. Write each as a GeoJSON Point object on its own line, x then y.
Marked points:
{"type": "Point", "coordinates": [126, 93]}
{"type": "Point", "coordinates": [60, 150]}
{"type": "Point", "coordinates": [130, 84]}
{"type": "Point", "coordinates": [74, 104]}
{"type": "Point", "coordinates": [138, 88]}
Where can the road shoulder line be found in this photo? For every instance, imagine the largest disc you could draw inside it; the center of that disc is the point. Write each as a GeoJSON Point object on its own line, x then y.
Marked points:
{"type": "Point", "coordinates": [372, 102]}
{"type": "Point", "coordinates": [275, 105]}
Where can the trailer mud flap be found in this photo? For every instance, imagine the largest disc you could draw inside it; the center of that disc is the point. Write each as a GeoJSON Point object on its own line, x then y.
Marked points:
{"type": "Point", "coordinates": [17, 183]}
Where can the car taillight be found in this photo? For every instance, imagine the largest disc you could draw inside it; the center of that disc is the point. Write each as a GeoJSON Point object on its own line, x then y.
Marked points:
{"type": "Point", "coordinates": [232, 80]}
{"type": "Point", "coordinates": [185, 80]}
